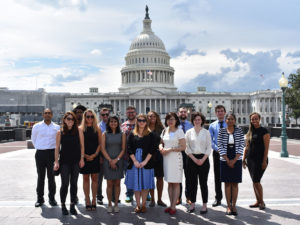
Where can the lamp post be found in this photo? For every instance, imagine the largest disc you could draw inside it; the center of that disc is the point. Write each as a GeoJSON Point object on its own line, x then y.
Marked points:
{"type": "Point", "coordinates": [209, 106]}
{"type": "Point", "coordinates": [283, 83]}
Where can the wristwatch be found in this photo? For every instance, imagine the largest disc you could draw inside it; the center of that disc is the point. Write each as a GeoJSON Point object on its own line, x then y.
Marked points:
{"type": "Point", "coordinates": [118, 159]}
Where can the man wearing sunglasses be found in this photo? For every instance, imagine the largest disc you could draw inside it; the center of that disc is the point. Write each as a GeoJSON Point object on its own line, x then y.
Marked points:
{"type": "Point", "coordinates": [44, 140]}
{"type": "Point", "coordinates": [79, 110]}
{"type": "Point", "coordinates": [104, 114]}
{"type": "Point", "coordinates": [126, 128]}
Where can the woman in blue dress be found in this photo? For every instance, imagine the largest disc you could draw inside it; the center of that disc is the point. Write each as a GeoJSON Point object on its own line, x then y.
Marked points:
{"type": "Point", "coordinates": [140, 172]}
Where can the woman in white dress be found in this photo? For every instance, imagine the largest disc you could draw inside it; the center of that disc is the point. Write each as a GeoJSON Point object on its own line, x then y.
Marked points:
{"type": "Point", "coordinates": [173, 143]}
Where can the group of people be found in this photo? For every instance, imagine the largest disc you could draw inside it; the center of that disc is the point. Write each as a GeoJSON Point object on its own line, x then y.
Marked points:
{"type": "Point", "coordinates": [143, 148]}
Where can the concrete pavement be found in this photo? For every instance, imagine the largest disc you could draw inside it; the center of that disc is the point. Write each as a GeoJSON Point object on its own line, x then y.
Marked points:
{"type": "Point", "coordinates": [281, 184]}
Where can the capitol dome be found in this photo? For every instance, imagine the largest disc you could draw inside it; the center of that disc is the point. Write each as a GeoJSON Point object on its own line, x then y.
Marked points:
{"type": "Point", "coordinates": [147, 63]}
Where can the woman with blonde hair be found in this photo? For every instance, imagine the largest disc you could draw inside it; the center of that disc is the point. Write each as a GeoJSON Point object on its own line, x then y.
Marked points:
{"type": "Point", "coordinates": [92, 147]}
{"type": "Point", "coordinates": [140, 172]}
{"type": "Point", "coordinates": [156, 128]}
{"type": "Point", "coordinates": [256, 156]}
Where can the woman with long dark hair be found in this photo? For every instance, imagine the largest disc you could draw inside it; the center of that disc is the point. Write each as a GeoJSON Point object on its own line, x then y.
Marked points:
{"type": "Point", "coordinates": [256, 156]}
{"type": "Point", "coordinates": [92, 147]}
{"type": "Point", "coordinates": [156, 128]}
{"type": "Point", "coordinates": [231, 147]}
{"type": "Point", "coordinates": [69, 153]}
{"type": "Point", "coordinates": [113, 148]}
{"type": "Point", "coordinates": [172, 144]}
{"type": "Point", "coordinates": [140, 173]}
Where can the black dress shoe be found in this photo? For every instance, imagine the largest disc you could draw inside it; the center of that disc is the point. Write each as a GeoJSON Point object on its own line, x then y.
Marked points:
{"type": "Point", "coordinates": [216, 203]}
{"type": "Point", "coordinates": [64, 209]}
{"type": "Point", "coordinates": [39, 203]}
{"type": "Point", "coordinates": [53, 202]}
{"type": "Point", "coordinates": [73, 211]}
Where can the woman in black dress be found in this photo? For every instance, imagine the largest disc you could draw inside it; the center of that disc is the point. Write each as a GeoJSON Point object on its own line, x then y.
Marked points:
{"type": "Point", "coordinates": [231, 147]}
{"type": "Point", "coordinates": [70, 152]}
{"type": "Point", "coordinates": [256, 156]}
{"type": "Point", "coordinates": [156, 127]}
{"type": "Point", "coordinates": [92, 147]}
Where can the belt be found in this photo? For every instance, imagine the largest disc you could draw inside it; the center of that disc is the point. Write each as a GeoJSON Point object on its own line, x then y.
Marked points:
{"type": "Point", "coordinates": [51, 149]}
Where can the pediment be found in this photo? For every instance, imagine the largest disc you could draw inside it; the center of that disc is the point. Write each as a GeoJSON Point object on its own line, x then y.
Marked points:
{"type": "Point", "coordinates": [148, 92]}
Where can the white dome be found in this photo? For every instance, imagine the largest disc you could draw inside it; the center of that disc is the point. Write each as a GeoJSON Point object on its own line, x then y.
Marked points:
{"type": "Point", "coordinates": [147, 40]}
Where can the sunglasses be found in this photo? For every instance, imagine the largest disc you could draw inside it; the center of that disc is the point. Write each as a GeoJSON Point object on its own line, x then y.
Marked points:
{"type": "Point", "coordinates": [104, 114]}
{"type": "Point", "coordinates": [70, 119]}
{"type": "Point", "coordinates": [88, 117]}
{"type": "Point", "coordinates": [144, 121]}
{"type": "Point", "coordinates": [48, 113]}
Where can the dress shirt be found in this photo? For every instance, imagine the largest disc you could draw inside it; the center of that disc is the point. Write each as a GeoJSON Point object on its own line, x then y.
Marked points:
{"type": "Point", "coordinates": [198, 143]}
{"type": "Point", "coordinates": [214, 131]}
{"type": "Point", "coordinates": [185, 126]}
{"type": "Point", "coordinates": [44, 136]}
{"type": "Point", "coordinates": [102, 126]}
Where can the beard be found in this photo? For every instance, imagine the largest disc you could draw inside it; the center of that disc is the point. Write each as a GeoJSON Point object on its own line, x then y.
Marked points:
{"type": "Point", "coordinates": [182, 117]}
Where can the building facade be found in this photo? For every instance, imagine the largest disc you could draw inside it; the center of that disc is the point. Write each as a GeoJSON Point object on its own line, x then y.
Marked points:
{"type": "Point", "coordinates": [147, 82]}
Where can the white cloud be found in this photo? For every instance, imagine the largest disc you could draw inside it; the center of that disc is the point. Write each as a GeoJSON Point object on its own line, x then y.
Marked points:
{"type": "Point", "coordinates": [96, 52]}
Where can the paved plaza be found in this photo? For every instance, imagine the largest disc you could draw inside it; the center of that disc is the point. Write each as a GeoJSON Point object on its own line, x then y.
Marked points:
{"type": "Point", "coordinates": [281, 184]}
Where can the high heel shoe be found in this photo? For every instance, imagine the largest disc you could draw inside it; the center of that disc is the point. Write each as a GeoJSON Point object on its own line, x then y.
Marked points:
{"type": "Point", "coordinates": [88, 205]}
{"type": "Point", "coordinates": [262, 206]}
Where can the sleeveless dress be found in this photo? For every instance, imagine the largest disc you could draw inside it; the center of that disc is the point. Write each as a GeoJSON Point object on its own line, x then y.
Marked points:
{"type": "Point", "coordinates": [113, 145]}
{"type": "Point", "coordinates": [90, 147]}
{"type": "Point", "coordinates": [70, 149]}
{"type": "Point", "coordinates": [256, 153]}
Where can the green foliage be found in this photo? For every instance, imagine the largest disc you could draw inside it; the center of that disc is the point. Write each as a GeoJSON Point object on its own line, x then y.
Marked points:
{"type": "Point", "coordinates": [293, 94]}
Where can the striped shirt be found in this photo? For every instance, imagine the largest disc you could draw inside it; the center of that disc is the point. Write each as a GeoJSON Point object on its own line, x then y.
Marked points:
{"type": "Point", "coordinates": [223, 139]}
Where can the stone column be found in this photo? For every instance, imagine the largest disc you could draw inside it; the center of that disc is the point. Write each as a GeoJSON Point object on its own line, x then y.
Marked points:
{"type": "Point", "coordinates": [160, 105]}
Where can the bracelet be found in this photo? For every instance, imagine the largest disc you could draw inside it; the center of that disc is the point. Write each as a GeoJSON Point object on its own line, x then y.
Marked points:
{"type": "Point", "coordinates": [82, 156]}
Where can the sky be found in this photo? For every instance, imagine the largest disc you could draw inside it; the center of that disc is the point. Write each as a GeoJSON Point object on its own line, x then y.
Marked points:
{"type": "Point", "coordinates": [72, 45]}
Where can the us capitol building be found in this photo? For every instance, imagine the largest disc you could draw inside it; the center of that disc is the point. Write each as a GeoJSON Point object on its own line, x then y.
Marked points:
{"type": "Point", "coordinates": [148, 84]}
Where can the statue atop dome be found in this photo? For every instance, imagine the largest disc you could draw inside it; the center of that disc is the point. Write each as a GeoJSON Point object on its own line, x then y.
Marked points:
{"type": "Point", "coordinates": [147, 13]}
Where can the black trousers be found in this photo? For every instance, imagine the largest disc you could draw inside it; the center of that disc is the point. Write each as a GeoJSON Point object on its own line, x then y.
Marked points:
{"type": "Point", "coordinates": [218, 187]}
{"type": "Point", "coordinates": [196, 172]}
{"type": "Point", "coordinates": [44, 160]}
{"type": "Point", "coordinates": [69, 175]}
{"type": "Point", "coordinates": [187, 188]}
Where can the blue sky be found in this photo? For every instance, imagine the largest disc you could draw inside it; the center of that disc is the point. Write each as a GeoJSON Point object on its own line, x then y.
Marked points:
{"type": "Point", "coordinates": [71, 45]}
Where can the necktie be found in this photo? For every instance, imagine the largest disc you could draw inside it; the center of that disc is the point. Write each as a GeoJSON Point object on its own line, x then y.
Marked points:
{"type": "Point", "coordinates": [183, 127]}
{"type": "Point", "coordinates": [221, 124]}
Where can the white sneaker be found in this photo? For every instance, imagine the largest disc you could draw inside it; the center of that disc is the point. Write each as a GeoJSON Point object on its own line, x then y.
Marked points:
{"type": "Point", "coordinates": [109, 209]}
{"type": "Point", "coordinates": [116, 209]}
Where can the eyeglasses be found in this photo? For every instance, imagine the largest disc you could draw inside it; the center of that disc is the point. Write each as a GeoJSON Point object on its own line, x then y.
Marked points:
{"type": "Point", "coordinates": [90, 117]}
{"type": "Point", "coordinates": [48, 113]}
{"type": "Point", "coordinates": [104, 114]}
{"type": "Point", "coordinates": [132, 112]}
{"type": "Point", "coordinates": [70, 119]}
{"type": "Point", "coordinates": [171, 119]}
{"type": "Point", "coordinates": [144, 121]}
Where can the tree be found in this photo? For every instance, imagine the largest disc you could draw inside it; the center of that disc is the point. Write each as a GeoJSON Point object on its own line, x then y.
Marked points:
{"type": "Point", "coordinates": [293, 94]}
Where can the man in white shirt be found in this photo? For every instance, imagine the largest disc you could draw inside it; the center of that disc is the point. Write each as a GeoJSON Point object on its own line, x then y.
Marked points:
{"type": "Point", "coordinates": [44, 140]}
